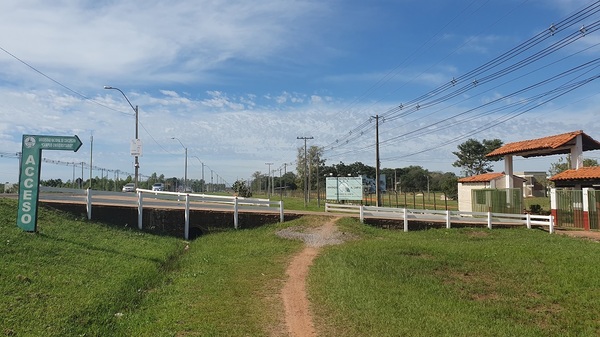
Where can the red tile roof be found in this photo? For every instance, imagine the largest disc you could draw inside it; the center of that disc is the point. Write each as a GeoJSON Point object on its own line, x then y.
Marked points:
{"type": "Point", "coordinates": [558, 144]}
{"type": "Point", "coordinates": [486, 177]}
{"type": "Point", "coordinates": [584, 173]}
{"type": "Point", "coordinates": [481, 178]}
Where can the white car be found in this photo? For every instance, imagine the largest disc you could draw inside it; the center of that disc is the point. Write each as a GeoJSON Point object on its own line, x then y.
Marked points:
{"type": "Point", "coordinates": [129, 187]}
{"type": "Point", "coordinates": [158, 187]}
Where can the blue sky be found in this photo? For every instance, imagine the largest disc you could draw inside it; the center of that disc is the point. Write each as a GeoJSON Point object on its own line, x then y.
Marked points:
{"type": "Point", "coordinates": [238, 81]}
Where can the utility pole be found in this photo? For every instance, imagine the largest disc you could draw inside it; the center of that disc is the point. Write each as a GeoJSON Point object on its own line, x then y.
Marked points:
{"type": "Point", "coordinates": [91, 157]}
{"type": "Point", "coordinates": [377, 187]}
{"type": "Point", "coordinates": [305, 170]}
{"type": "Point", "coordinates": [269, 180]}
{"type": "Point", "coordinates": [318, 190]}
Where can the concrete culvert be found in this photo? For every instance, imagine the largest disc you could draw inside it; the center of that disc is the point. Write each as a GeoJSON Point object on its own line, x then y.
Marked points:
{"type": "Point", "coordinates": [195, 232]}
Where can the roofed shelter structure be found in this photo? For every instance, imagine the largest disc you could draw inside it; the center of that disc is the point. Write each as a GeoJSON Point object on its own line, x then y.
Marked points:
{"type": "Point", "coordinates": [573, 143]}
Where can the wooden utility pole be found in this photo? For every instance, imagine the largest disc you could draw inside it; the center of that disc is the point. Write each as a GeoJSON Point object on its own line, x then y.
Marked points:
{"type": "Point", "coordinates": [305, 170]}
{"type": "Point", "coordinates": [377, 183]}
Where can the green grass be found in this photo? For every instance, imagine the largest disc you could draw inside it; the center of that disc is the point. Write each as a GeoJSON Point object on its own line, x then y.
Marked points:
{"type": "Point", "coordinates": [228, 285]}
{"type": "Point", "coordinates": [78, 278]}
{"type": "Point", "coordinates": [544, 202]}
{"type": "Point", "coordinates": [71, 278]}
{"type": "Point", "coordinates": [417, 201]}
{"type": "Point", "coordinates": [458, 282]}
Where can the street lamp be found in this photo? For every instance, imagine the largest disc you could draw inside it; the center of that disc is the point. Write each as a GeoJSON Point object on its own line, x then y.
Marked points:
{"type": "Point", "coordinates": [135, 109]}
{"type": "Point", "coordinates": [202, 189]}
{"type": "Point", "coordinates": [185, 174]}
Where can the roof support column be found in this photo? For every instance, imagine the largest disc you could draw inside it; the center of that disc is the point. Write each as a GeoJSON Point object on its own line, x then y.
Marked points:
{"type": "Point", "coordinates": [577, 153]}
{"type": "Point", "coordinates": [508, 171]}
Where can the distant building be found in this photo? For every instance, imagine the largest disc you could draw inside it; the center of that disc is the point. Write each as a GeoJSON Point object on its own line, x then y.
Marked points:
{"type": "Point", "coordinates": [491, 180]}
{"type": "Point", "coordinates": [533, 186]}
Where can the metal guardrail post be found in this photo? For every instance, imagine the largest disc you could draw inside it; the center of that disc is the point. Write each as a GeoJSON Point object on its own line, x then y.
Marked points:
{"type": "Point", "coordinates": [88, 199]}
{"type": "Point", "coordinates": [186, 229]}
{"type": "Point", "coordinates": [528, 220]}
{"type": "Point", "coordinates": [281, 211]}
{"type": "Point", "coordinates": [140, 209]}
{"type": "Point", "coordinates": [448, 219]}
{"type": "Point", "coordinates": [551, 224]}
{"type": "Point", "coordinates": [362, 214]}
{"type": "Point", "coordinates": [405, 220]}
{"type": "Point", "coordinates": [235, 213]}
{"type": "Point", "coordinates": [489, 219]}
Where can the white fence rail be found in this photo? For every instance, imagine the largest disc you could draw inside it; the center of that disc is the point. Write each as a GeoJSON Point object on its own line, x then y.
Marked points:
{"type": "Point", "coordinates": [164, 199]}
{"type": "Point", "coordinates": [235, 202]}
{"type": "Point", "coordinates": [443, 216]}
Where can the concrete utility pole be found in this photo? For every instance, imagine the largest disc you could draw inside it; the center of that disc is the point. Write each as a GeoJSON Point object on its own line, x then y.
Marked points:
{"type": "Point", "coordinates": [269, 180]}
{"type": "Point", "coordinates": [305, 170]}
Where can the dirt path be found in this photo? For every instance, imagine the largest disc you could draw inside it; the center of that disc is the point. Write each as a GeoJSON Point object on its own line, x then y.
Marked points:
{"type": "Point", "coordinates": [298, 317]}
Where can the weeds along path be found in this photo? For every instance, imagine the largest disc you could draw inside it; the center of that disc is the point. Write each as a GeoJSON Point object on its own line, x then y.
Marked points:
{"type": "Point", "coordinates": [298, 318]}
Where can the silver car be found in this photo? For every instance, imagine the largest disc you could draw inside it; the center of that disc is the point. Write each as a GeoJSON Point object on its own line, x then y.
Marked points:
{"type": "Point", "coordinates": [158, 187]}
{"type": "Point", "coordinates": [129, 187]}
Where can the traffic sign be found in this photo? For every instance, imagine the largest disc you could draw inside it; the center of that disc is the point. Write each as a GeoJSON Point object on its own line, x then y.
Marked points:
{"type": "Point", "coordinates": [29, 174]}
{"type": "Point", "coordinates": [136, 147]}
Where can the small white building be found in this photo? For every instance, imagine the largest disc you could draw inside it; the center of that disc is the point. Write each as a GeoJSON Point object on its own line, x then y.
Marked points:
{"type": "Point", "coordinates": [491, 180]}
{"type": "Point", "coordinates": [533, 186]}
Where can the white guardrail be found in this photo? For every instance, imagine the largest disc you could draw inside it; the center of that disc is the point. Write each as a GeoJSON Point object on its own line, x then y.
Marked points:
{"type": "Point", "coordinates": [189, 200]}
{"type": "Point", "coordinates": [487, 218]}
{"type": "Point", "coordinates": [236, 202]}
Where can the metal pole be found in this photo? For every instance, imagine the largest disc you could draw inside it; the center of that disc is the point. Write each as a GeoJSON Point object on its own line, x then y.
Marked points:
{"type": "Point", "coordinates": [185, 164]}
{"type": "Point", "coordinates": [137, 162]}
{"type": "Point", "coordinates": [136, 110]}
{"type": "Point", "coordinates": [91, 156]}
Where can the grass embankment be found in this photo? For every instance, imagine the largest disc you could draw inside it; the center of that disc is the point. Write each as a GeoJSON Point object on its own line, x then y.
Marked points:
{"type": "Point", "coordinates": [76, 278]}
{"type": "Point", "coordinates": [72, 278]}
{"type": "Point", "coordinates": [458, 282]}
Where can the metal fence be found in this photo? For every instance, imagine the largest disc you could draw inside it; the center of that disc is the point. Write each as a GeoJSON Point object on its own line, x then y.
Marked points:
{"type": "Point", "coordinates": [569, 208]}
{"type": "Point", "coordinates": [508, 201]}
{"type": "Point", "coordinates": [593, 208]}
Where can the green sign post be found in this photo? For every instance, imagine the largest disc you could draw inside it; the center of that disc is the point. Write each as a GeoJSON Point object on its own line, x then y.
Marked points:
{"type": "Point", "coordinates": [29, 174]}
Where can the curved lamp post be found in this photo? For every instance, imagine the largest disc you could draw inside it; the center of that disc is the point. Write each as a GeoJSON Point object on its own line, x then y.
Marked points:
{"type": "Point", "coordinates": [135, 109]}
{"type": "Point", "coordinates": [186, 162]}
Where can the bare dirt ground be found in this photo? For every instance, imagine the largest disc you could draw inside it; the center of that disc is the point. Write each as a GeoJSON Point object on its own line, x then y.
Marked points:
{"type": "Point", "coordinates": [590, 235]}
{"type": "Point", "coordinates": [298, 318]}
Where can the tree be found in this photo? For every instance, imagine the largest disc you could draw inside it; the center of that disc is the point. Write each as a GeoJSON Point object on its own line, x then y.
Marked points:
{"type": "Point", "coordinates": [314, 158]}
{"type": "Point", "coordinates": [564, 163]}
{"type": "Point", "coordinates": [258, 181]}
{"type": "Point", "coordinates": [241, 189]}
{"type": "Point", "coordinates": [449, 185]}
{"type": "Point", "coordinates": [471, 156]}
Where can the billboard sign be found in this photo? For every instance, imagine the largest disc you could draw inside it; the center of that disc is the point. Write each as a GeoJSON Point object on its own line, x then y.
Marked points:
{"type": "Point", "coordinates": [344, 188]}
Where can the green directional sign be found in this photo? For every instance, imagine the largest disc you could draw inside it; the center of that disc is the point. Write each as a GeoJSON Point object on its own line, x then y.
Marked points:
{"type": "Point", "coordinates": [29, 176]}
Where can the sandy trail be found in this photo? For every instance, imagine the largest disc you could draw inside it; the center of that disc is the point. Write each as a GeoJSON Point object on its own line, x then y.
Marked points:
{"type": "Point", "coordinates": [298, 317]}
